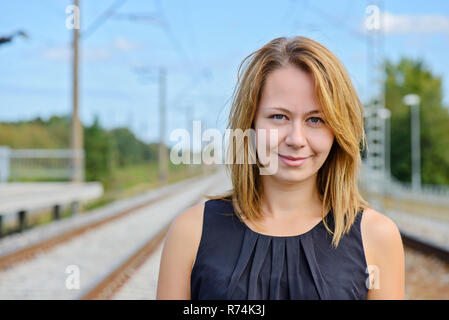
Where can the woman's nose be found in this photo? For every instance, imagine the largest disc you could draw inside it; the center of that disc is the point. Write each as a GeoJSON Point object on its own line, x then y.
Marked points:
{"type": "Point", "coordinates": [296, 135]}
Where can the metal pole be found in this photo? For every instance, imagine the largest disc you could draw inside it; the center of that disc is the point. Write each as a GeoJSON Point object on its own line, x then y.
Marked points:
{"type": "Point", "coordinates": [413, 101]}
{"type": "Point", "coordinates": [416, 148]}
{"type": "Point", "coordinates": [385, 115]}
{"type": "Point", "coordinates": [163, 164]}
{"type": "Point", "coordinates": [5, 159]}
{"type": "Point", "coordinates": [22, 220]}
{"type": "Point", "coordinates": [388, 148]}
{"type": "Point", "coordinates": [77, 132]}
{"type": "Point", "coordinates": [189, 117]}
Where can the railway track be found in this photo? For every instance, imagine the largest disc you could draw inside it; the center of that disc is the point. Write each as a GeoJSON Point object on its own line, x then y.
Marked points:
{"type": "Point", "coordinates": [413, 220]}
{"type": "Point", "coordinates": [119, 245]}
{"type": "Point", "coordinates": [112, 281]}
{"type": "Point", "coordinates": [109, 284]}
{"type": "Point", "coordinates": [425, 246]}
{"type": "Point", "coordinates": [12, 259]}
{"type": "Point", "coordinates": [9, 260]}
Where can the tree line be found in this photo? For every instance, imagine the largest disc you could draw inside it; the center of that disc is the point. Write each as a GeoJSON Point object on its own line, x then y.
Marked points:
{"type": "Point", "coordinates": [105, 149]}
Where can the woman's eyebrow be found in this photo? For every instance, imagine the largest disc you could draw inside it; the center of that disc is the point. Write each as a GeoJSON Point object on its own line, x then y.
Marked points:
{"type": "Point", "coordinates": [312, 112]}
{"type": "Point", "coordinates": [288, 111]}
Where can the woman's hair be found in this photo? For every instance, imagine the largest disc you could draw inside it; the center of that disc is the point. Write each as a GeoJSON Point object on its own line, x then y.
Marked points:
{"type": "Point", "coordinates": [343, 113]}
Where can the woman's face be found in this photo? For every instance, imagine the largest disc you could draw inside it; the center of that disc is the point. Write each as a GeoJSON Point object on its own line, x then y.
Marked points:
{"type": "Point", "coordinates": [288, 105]}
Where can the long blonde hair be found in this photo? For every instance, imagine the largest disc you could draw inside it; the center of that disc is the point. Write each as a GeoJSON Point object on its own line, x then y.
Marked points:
{"type": "Point", "coordinates": [343, 113]}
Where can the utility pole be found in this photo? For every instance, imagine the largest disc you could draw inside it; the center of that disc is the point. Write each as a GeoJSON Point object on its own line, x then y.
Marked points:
{"type": "Point", "coordinates": [77, 130]}
{"type": "Point", "coordinates": [76, 143]}
{"type": "Point", "coordinates": [413, 101]}
{"type": "Point", "coordinates": [375, 124]}
{"type": "Point", "coordinates": [190, 115]}
{"type": "Point", "coordinates": [163, 163]}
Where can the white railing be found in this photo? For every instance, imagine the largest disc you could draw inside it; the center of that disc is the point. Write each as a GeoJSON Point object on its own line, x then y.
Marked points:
{"type": "Point", "coordinates": [4, 164]}
{"type": "Point", "coordinates": [17, 164]}
{"type": "Point", "coordinates": [375, 182]}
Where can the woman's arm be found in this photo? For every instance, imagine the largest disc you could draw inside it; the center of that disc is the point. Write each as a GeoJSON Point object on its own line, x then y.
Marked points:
{"type": "Point", "coordinates": [178, 255]}
{"type": "Point", "coordinates": [385, 256]}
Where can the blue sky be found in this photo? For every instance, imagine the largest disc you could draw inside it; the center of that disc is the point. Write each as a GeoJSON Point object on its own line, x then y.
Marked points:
{"type": "Point", "coordinates": [201, 44]}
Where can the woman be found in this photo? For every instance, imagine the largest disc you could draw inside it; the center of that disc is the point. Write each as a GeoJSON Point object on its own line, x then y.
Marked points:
{"type": "Point", "coordinates": [302, 231]}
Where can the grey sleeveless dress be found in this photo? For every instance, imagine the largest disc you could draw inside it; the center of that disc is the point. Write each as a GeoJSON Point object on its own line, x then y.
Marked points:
{"type": "Point", "coordinates": [235, 262]}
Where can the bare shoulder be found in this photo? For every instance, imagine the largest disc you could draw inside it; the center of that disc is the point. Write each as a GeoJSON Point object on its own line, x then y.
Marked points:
{"type": "Point", "coordinates": [190, 217]}
{"type": "Point", "coordinates": [179, 253]}
{"type": "Point", "coordinates": [384, 255]}
{"type": "Point", "coordinates": [188, 224]}
{"type": "Point", "coordinates": [186, 229]}
{"type": "Point", "coordinates": [379, 229]}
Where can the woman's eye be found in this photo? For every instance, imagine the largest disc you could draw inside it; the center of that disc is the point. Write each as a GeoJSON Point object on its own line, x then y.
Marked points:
{"type": "Point", "coordinates": [277, 116]}
{"type": "Point", "coordinates": [316, 118]}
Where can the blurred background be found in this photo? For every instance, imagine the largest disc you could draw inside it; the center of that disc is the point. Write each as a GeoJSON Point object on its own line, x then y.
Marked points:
{"type": "Point", "coordinates": [91, 92]}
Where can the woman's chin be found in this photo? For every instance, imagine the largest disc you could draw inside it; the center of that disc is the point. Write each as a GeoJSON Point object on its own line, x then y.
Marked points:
{"type": "Point", "coordinates": [289, 177]}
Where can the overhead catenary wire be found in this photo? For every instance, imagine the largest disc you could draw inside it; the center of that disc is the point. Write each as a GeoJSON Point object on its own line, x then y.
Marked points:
{"type": "Point", "coordinates": [102, 18]}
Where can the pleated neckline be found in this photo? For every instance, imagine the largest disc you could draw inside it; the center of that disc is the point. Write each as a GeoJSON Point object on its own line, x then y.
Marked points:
{"type": "Point", "coordinates": [316, 226]}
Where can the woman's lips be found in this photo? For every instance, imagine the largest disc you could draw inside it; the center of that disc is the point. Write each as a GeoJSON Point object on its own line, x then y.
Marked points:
{"type": "Point", "coordinates": [292, 162]}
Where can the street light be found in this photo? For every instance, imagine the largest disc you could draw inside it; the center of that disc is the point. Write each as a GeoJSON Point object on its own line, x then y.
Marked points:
{"type": "Point", "coordinates": [413, 101]}
{"type": "Point", "coordinates": [385, 115]}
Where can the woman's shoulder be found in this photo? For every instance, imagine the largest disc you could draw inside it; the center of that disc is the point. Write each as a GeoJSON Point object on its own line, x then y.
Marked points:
{"type": "Point", "coordinates": [385, 256]}
{"type": "Point", "coordinates": [377, 226]}
{"type": "Point", "coordinates": [178, 254]}
{"type": "Point", "coordinates": [188, 224]}
{"type": "Point", "coordinates": [381, 236]}
{"type": "Point", "coordinates": [190, 221]}
{"type": "Point", "coordinates": [184, 234]}
{"type": "Point", "coordinates": [191, 215]}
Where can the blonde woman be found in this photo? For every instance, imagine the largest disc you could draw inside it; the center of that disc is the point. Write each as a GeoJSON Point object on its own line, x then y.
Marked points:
{"type": "Point", "coordinates": [303, 232]}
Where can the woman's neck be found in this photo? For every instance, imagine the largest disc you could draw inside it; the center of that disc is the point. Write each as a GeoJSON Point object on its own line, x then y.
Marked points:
{"type": "Point", "coordinates": [290, 201]}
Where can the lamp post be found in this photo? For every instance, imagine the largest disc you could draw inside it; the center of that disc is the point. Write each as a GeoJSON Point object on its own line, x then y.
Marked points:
{"type": "Point", "coordinates": [385, 115]}
{"type": "Point", "coordinates": [413, 101]}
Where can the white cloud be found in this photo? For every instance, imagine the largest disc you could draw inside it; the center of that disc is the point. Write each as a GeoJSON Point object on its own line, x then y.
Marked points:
{"type": "Point", "coordinates": [96, 54]}
{"type": "Point", "coordinates": [90, 54]}
{"type": "Point", "coordinates": [403, 23]}
{"type": "Point", "coordinates": [123, 44]}
{"type": "Point", "coordinates": [57, 54]}
{"type": "Point", "coordinates": [64, 53]}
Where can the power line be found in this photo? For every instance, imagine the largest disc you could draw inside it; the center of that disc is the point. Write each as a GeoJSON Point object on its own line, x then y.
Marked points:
{"type": "Point", "coordinates": [167, 28]}
{"type": "Point", "coordinates": [101, 19]}
{"type": "Point", "coordinates": [339, 23]}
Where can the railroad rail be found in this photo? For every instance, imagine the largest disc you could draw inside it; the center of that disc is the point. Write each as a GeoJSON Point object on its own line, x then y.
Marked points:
{"type": "Point", "coordinates": [108, 285]}
{"type": "Point", "coordinates": [11, 259]}
{"type": "Point", "coordinates": [425, 246]}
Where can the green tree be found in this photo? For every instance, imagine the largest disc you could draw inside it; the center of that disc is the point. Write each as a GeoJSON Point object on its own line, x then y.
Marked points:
{"type": "Point", "coordinates": [413, 76]}
{"type": "Point", "coordinates": [130, 149]}
{"type": "Point", "coordinates": [99, 152]}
